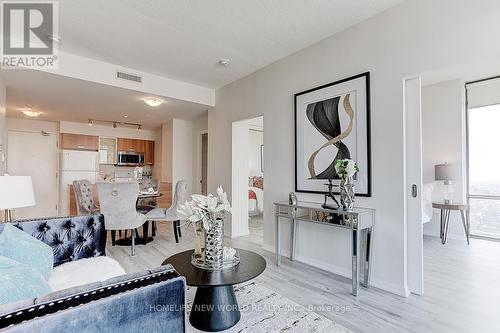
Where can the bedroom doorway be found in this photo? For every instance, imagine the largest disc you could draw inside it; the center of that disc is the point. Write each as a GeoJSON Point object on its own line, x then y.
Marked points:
{"type": "Point", "coordinates": [248, 178]}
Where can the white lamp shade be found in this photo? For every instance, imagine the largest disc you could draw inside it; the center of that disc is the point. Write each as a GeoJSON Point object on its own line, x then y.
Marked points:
{"type": "Point", "coordinates": [16, 192]}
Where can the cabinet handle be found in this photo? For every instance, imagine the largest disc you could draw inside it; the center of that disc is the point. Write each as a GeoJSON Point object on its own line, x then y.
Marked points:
{"type": "Point", "coordinates": [81, 147]}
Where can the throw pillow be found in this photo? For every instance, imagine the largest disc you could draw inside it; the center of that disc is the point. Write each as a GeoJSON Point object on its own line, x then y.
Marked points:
{"type": "Point", "coordinates": [19, 282]}
{"type": "Point", "coordinates": [22, 247]}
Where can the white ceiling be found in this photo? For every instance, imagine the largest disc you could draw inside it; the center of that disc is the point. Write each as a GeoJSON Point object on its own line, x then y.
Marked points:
{"type": "Point", "coordinates": [185, 39]}
{"type": "Point", "coordinates": [61, 98]}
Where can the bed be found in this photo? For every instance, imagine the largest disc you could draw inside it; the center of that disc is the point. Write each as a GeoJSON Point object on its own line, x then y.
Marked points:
{"type": "Point", "coordinates": [255, 195]}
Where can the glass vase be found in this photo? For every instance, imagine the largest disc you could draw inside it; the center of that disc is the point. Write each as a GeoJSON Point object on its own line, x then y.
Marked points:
{"type": "Point", "coordinates": [347, 196]}
{"type": "Point", "coordinates": [214, 245]}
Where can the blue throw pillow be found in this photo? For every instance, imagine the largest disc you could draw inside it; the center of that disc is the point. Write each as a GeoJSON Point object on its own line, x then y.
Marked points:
{"type": "Point", "coordinates": [18, 282]}
{"type": "Point", "coordinates": [22, 247]}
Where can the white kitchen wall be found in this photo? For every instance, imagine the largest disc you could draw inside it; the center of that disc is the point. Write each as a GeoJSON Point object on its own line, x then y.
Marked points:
{"type": "Point", "coordinates": [415, 37]}
{"type": "Point", "coordinates": [32, 125]}
{"type": "Point", "coordinates": [443, 140]}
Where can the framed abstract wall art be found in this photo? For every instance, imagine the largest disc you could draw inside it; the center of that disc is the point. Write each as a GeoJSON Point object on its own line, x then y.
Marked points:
{"type": "Point", "coordinates": [332, 122]}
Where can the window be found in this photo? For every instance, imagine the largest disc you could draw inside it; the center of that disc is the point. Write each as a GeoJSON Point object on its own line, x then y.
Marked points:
{"type": "Point", "coordinates": [483, 146]}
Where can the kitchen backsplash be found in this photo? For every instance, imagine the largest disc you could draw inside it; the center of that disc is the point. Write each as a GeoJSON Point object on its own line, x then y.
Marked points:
{"type": "Point", "coordinates": [115, 173]}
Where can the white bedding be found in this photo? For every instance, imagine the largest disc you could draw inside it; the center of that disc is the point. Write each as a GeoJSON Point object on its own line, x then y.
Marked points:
{"type": "Point", "coordinates": [256, 206]}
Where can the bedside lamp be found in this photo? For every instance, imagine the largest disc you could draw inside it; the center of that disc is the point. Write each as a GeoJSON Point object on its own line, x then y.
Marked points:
{"type": "Point", "coordinates": [444, 172]}
{"type": "Point", "coordinates": [15, 192]}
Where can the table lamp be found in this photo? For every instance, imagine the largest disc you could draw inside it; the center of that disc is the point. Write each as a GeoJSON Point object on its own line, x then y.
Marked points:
{"type": "Point", "coordinates": [15, 192]}
{"type": "Point", "coordinates": [444, 172]}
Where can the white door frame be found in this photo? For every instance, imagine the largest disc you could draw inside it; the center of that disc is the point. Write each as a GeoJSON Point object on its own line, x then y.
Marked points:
{"type": "Point", "coordinates": [239, 178]}
{"type": "Point", "coordinates": [413, 228]}
{"type": "Point", "coordinates": [199, 173]}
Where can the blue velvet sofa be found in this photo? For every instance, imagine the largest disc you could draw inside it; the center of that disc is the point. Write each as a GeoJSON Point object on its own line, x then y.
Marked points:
{"type": "Point", "coordinates": [149, 301]}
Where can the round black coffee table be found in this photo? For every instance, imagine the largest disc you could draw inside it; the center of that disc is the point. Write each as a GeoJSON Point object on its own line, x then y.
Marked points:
{"type": "Point", "coordinates": [215, 307]}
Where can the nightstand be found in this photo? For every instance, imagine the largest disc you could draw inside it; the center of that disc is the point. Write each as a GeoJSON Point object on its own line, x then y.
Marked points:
{"type": "Point", "coordinates": [446, 209]}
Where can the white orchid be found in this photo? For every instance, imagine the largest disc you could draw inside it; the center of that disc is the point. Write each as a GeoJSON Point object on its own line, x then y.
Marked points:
{"type": "Point", "coordinates": [346, 168]}
{"type": "Point", "coordinates": [206, 208]}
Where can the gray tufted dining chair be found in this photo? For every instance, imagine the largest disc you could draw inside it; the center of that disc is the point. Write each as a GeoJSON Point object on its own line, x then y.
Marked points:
{"type": "Point", "coordinates": [171, 214]}
{"type": "Point", "coordinates": [85, 204]}
{"type": "Point", "coordinates": [118, 205]}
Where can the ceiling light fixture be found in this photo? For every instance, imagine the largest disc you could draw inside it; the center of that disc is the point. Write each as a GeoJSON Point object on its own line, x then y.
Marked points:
{"type": "Point", "coordinates": [125, 116]}
{"type": "Point", "coordinates": [225, 62]}
{"type": "Point", "coordinates": [153, 101]}
{"type": "Point", "coordinates": [31, 113]}
{"type": "Point", "coordinates": [115, 124]}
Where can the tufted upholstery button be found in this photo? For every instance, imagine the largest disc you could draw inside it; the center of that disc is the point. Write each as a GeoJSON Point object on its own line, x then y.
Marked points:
{"type": "Point", "coordinates": [71, 238]}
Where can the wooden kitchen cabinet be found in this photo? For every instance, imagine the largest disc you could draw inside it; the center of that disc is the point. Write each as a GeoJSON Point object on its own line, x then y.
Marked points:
{"type": "Point", "coordinates": [149, 152]}
{"type": "Point", "coordinates": [146, 147]}
{"type": "Point", "coordinates": [129, 145]}
{"type": "Point", "coordinates": [79, 142]}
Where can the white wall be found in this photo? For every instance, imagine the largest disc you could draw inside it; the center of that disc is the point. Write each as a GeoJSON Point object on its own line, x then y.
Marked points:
{"type": "Point", "coordinates": [200, 126]}
{"type": "Point", "coordinates": [32, 125]}
{"type": "Point", "coordinates": [167, 151]}
{"type": "Point", "coordinates": [3, 132]}
{"type": "Point", "coordinates": [443, 132]}
{"type": "Point", "coordinates": [182, 152]}
{"type": "Point", "coordinates": [412, 38]}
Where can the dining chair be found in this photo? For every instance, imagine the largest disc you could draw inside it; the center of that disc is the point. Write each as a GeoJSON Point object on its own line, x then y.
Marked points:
{"type": "Point", "coordinates": [84, 197]}
{"type": "Point", "coordinates": [118, 205]}
{"type": "Point", "coordinates": [171, 214]}
{"type": "Point", "coordinates": [147, 185]}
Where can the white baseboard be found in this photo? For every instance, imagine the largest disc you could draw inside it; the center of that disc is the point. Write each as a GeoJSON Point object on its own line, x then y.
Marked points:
{"type": "Point", "coordinates": [343, 271]}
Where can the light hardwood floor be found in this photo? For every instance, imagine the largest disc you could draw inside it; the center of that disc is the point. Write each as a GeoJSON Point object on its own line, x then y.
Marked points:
{"type": "Point", "coordinates": [462, 286]}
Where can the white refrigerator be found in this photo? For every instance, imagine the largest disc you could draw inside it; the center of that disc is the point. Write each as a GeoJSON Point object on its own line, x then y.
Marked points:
{"type": "Point", "coordinates": [76, 165]}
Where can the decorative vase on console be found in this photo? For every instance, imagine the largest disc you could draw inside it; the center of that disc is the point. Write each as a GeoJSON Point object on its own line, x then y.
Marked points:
{"type": "Point", "coordinates": [206, 213]}
{"type": "Point", "coordinates": [346, 169]}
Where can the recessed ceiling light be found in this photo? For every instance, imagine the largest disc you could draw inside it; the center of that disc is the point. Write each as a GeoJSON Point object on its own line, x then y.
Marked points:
{"type": "Point", "coordinates": [225, 62]}
{"type": "Point", "coordinates": [125, 116]}
{"type": "Point", "coordinates": [153, 101]}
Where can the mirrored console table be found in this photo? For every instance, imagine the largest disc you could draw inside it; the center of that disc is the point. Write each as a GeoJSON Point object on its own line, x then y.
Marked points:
{"type": "Point", "coordinates": [360, 222]}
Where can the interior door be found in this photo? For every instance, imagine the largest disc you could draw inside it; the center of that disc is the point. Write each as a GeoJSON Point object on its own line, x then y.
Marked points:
{"type": "Point", "coordinates": [413, 183]}
{"type": "Point", "coordinates": [35, 154]}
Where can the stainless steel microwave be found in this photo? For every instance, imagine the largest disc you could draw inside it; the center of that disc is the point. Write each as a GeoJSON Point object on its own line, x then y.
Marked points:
{"type": "Point", "coordinates": [127, 158]}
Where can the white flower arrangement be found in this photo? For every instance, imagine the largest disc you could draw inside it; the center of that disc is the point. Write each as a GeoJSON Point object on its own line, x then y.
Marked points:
{"type": "Point", "coordinates": [346, 168]}
{"type": "Point", "coordinates": [206, 208]}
